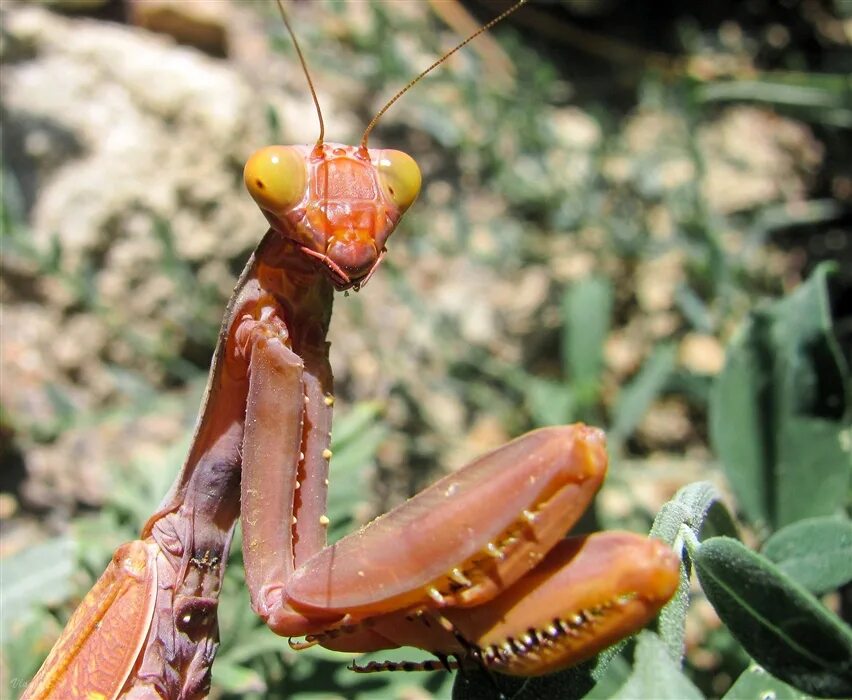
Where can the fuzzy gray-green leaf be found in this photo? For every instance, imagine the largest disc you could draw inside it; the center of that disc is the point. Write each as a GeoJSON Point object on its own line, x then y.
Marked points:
{"type": "Point", "coordinates": [779, 415]}
{"type": "Point", "coordinates": [816, 552]}
{"type": "Point", "coordinates": [782, 626]}
{"type": "Point", "coordinates": [656, 675]}
{"type": "Point", "coordinates": [756, 684]}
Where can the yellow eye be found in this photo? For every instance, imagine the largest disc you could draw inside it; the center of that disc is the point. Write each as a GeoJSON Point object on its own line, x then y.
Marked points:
{"type": "Point", "coordinates": [400, 177]}
{"type": "Point", "coordinates": [276, 177]}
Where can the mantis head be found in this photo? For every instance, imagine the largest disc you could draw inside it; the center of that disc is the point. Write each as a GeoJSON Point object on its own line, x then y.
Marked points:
{"type": "Point", "coordinates": [338, 203]}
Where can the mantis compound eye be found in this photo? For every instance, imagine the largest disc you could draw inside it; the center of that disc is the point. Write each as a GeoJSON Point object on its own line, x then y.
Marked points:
{"type": "Point", "coordinates": [399, 177]}
{"type": "Point", "coordinates": [276, 178]}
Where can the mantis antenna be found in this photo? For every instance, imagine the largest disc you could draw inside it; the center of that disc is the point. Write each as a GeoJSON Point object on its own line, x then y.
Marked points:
{"type": "Point", "coordinates": [307, 73]}
{"type": "Point", "coordinates": [437, 63]}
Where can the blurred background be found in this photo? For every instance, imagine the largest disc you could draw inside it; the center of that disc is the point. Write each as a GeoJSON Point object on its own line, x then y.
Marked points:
{"type": "Point", "coordinates": [609, 188]}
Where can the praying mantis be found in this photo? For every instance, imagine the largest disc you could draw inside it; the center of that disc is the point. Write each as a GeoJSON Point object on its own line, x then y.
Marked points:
{"type": "Point", "coordinates": [475, 569]}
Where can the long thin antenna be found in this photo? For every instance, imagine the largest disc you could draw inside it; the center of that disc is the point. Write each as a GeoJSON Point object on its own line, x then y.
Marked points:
{"type": "Point", "coordinates": [437, 63]}
{"type": "Point", "coordinates": [305, 69]}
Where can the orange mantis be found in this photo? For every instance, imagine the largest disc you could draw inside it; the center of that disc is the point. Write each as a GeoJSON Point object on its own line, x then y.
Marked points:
{"type": "Point", "coordinates": [475, 569]}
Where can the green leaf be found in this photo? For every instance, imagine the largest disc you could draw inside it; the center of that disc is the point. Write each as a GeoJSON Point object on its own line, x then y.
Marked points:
{"type": "Point", "coordinates": [356, 439]}
{"type": "Point", "coordinates": [636, 397]}
{"type": "Point", "coordinates": [822, 98]}
{"type": "Point", "coordinates": [698, 507]}
{"type": "Point", "coordinates": [611, 677]}
{"type": "Point", "coordinates": [817, 553]}
{"type": "Point", "coordinates": [550, 402]}
{"type": "Point", "coordinates": [233, 678]}
{"type": "Point", "coordinates": [655, 674]}
{"type": "Point", "coordinates": [38, 576]}
{"type": "Point", "coordinates": [586, 311]}
{"type": "Point", "coordinates": [782, 626]}
{"type": "Point", "coordinates": [694, 309]}
{"type": "Point", "coordinates": [756, 684]}
{"type": "Point", "coordinates": [779, 414]}
{"type": "Point", "coordinates": [349, 426]}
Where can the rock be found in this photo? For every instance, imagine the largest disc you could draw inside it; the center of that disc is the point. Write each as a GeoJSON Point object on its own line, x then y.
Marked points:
{"type": "Point", "coordinates": [200, 23]}
{"type": "Point", "coordinates": [754, 156]}
{"type": "Point", "coordinates": [126, 153]}
{"type": "Point", "coordinates": [701, 353]}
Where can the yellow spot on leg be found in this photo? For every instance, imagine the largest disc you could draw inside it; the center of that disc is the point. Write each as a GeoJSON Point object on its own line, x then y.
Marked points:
{"type": "Point", "coordinates": [327, 453]}
{"type": "Point", "coordinates": [435, 595]}
{"type": "Point", "coordinates": [457, 576]}
{"type": "Point", "coordinates": [324, 520]}
{"type": "Point", "coordinates": [444, 622]}
{"type": "Point", "coordinates": [328, 399]}
{"type": "Point", "coordinates": [492, 551]}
